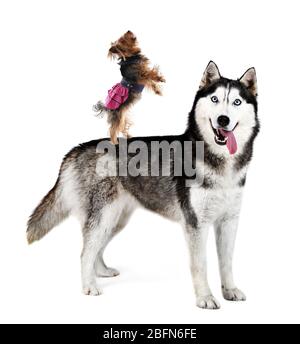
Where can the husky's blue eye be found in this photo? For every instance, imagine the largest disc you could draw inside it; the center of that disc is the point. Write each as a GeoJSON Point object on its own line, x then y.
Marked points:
{"type": "Point", "coordinates": [214, 99]}
{"type": "Point", "coordinates": [237, 102]}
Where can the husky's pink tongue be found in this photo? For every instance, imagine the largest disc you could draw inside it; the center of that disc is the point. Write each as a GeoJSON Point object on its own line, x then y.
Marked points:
{"type": "Point", "coordinates": [231, 141]}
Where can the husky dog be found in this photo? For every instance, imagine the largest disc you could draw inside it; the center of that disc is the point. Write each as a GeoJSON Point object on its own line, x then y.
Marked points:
{"type": "Point", "coordinates": [224, 117]}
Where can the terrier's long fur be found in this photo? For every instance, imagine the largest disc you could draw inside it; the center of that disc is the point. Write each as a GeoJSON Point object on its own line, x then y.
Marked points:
{"type": "Point", "coordinates": [134, 67]}
{"type": "Point", "coordinates": [104, 204]}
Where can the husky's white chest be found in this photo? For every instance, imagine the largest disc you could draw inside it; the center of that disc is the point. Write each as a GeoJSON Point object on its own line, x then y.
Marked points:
{"type": "Point", "coordinates": [223, 196]}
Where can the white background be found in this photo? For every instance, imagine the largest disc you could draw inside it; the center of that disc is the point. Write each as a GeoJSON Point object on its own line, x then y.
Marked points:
{"type": "Point", "coordinates": [53, 68]}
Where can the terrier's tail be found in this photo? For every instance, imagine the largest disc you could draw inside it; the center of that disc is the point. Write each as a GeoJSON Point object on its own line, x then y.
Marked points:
{"type": "Point", "coordinates": [116, 119]}
{"type": "Point", "coordinates": [49, 213]}
{"type": "Point", "coordinates": [100, 108]}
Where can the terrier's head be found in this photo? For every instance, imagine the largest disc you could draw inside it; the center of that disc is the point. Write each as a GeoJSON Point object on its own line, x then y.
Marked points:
{"type": "Point", "coordinates": [126, 46]}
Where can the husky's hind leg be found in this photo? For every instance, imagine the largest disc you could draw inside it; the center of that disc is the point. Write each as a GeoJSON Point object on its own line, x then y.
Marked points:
{"type": "Point", "coordinates": [100, 267]}
{"type": "Point", "coordinates": [93, 234]}
{"type": "Point", "coordinates": [96, 233]}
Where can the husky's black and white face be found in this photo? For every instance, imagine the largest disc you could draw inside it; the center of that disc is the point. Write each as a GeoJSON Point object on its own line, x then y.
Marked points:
{"type": "Point", "coordinates": [225, 110]}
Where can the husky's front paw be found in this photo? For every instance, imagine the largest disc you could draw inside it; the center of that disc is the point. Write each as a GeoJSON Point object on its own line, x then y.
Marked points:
{"type": "Point", "coordinates": [208, 302]}
{"type": "Point", "coordinates": [92, 290]}
{"type": "Point", "coordinates": [233, 294]}
{"type": "Point", "coordinates": [107, 272]}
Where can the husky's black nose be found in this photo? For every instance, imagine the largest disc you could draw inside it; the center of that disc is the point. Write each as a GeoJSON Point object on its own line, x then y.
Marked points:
{"type": "Point", "coordinates": [223, 121]}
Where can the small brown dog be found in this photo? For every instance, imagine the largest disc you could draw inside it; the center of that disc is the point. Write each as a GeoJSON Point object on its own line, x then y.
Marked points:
{"type": "Point", "coordinates": [137, 74]}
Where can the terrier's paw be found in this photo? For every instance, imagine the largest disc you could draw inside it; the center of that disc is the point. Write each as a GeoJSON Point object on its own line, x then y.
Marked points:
{"type": "Point", "coordinates": [158, 91]}
{"type": "Point", "coordinates": [157, 76]}
{"type": "Point", "coordinates": [92, 290]}
{"type": "Point", "coordinates": [107, 272]}
{"type": "Point", "coordinates": [161, 79]}
{"type": "Point", "coordinates": [233, 294]}
{"type": "Point", "coordinates": [208, 302]}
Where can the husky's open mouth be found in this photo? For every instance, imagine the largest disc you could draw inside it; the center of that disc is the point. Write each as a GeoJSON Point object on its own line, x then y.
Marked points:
{"type": "Point", "coordinates": [224, 137]}
{"type": "Point", "coordinates": [219, 138]}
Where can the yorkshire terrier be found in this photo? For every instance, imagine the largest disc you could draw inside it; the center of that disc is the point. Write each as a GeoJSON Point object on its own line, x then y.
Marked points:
{"type": "Point", "coordinates": [137, 74]}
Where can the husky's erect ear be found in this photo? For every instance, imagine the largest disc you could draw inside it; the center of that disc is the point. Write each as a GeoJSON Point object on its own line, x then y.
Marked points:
{"type": "Point", "coordinates": [249, 80]}
{"type": "Point", "coordinates": [211, 74]}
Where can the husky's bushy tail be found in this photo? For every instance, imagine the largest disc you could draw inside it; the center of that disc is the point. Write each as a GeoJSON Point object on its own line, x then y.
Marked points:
{"type": "Point", "coordinates": [49, 213]}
